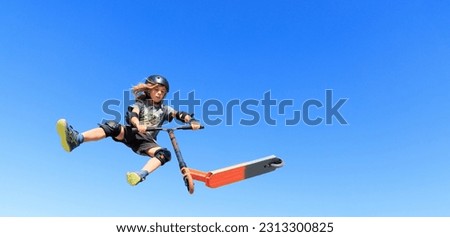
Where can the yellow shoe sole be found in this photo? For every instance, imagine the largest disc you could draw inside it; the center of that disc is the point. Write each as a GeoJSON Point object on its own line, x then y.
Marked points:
{"type": "Point", "coordinates": [61, 129]}
{"type": "Point", "coordinates": [133, 179]}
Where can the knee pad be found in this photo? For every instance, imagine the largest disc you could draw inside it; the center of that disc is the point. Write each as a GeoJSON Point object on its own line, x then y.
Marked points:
{"type": "Point", "coordinates": [111, 128]}
{"type": "Point", "coordinates": [163, 155]}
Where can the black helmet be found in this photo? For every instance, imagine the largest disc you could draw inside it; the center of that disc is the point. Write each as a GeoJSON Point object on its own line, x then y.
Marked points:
{"type": "Point", "coordinates": [157, 79]}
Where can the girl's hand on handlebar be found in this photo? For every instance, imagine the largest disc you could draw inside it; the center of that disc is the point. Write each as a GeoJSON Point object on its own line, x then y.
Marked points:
{"type": "Point", "coordinates": [195, 124]}
{"type": "Point", "coordinates": [141, 128]}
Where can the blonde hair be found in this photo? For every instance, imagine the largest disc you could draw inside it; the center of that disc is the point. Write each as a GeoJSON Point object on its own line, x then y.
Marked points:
{"type": "Point", "coordinates": [140, 90]}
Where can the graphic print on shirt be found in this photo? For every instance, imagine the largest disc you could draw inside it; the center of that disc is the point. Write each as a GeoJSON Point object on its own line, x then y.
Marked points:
{"type": "Point", "coordinates": [152, 117]}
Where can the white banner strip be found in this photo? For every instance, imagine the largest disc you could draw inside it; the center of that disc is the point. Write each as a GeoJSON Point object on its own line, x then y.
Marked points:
{"type": "Point", "coordinates": [224, 226]}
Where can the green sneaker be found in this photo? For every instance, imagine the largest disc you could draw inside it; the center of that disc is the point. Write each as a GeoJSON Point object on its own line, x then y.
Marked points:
{"type": "Point", "coordinates": [67, 134]}
{"type": "Point", "coordinates": [133, 178]}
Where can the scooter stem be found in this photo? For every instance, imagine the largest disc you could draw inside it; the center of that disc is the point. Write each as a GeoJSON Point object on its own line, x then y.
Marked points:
{"type": "Point", "coordinates": [176, 148]}
{"type": "Point", "coordinates": [187, 178]}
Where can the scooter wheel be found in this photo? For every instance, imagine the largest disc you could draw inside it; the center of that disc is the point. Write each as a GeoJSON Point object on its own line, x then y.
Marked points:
{"type": "Point", "coordinates": [188, 181]}
{"type": "Point", "coordinates": [277, 164]}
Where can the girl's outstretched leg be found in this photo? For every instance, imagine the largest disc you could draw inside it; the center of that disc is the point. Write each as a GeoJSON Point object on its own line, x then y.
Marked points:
{"type": "Point", "coordinates": [70, 138]}
{"type": "Point", "coordinates": [159, 156]}
{"type": "Point", "coordinates": [94, 134]}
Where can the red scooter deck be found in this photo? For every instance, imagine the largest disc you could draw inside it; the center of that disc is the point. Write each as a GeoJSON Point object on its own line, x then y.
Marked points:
{"type": "Point", "coordinates": [235, 173]}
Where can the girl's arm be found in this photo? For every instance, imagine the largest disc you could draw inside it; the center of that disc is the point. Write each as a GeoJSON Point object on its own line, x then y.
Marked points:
{"type": "Point", "coordinates": [195, 124]}
{"type": "Point", "coordinates": [187, 118]}
{"type": "Point", "coordinates": [134, 120]}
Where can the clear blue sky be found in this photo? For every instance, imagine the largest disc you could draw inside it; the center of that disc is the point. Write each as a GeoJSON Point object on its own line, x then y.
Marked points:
{"type": "Point", "coordinates": [64, 59]}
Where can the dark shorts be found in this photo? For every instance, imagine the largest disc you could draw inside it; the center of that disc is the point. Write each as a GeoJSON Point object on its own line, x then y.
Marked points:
{"type": "Point", "coordinates": [139, 143]}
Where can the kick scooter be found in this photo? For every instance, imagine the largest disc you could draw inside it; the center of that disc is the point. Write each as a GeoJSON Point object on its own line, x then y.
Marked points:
{"type": "Point", "coordinates": [219, 177]}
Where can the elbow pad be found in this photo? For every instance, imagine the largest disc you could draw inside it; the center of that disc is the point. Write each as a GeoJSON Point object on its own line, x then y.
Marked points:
{"type": "Point", "coordinates": [182, 115]}
{"type": "Point", "coordinates": [130, 115]}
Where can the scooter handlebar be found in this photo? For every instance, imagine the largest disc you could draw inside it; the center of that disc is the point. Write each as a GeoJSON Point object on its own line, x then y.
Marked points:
{"type": "Point", "coordinates": [185, 127]}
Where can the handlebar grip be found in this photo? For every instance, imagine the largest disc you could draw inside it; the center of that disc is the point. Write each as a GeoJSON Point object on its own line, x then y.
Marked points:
{"type": "Point", "coordinates": [186, 127]}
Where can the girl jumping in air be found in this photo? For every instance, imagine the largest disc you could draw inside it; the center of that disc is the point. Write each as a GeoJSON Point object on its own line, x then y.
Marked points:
{"type": "Point", "coordinates": [147, 111]}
